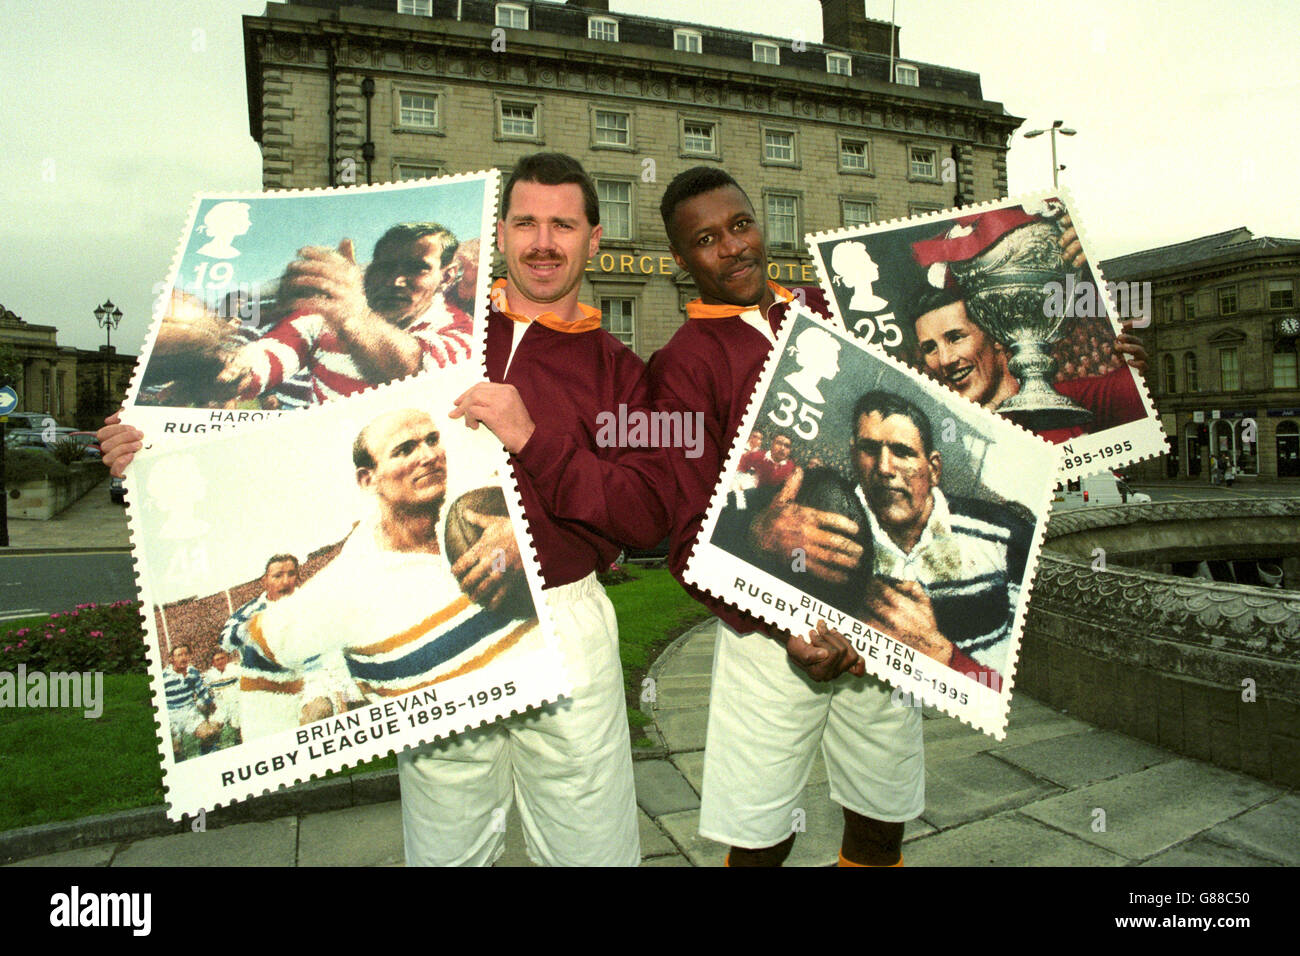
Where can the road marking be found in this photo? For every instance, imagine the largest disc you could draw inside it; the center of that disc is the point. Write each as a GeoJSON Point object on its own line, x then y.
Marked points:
{"type": "Point", "coordinates": [24, 612]}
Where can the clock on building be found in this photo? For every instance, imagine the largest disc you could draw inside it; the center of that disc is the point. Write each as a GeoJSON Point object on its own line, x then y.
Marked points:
{"type": "Point", "coordinates": [1288, 327]}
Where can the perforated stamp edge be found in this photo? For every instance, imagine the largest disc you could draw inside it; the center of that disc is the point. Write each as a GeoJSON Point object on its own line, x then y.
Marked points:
{"type": "Point", "coordinates": [181, 796]}
{"type": "Point", "coordinates": [1081, 456]}
{"type": "Point", "coordinates": [986, 709]}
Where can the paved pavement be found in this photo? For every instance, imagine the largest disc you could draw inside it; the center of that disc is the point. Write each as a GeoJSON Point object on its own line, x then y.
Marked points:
{"type": "Point", "coordinates": [92, 522]}
{"type": "Point", "coordinates": [1055, 792]}
{"type": "Point", "coordinates": [1201, 490]}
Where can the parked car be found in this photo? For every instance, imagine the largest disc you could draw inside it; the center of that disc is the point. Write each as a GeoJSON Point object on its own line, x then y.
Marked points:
{"type": "Point", "coordinates": [116, 491]}
{"type": "Point", "coordinates": [24, 438]}
{"type": "Point", "coordinates": [1104, 489]}
{"type": "Point", "coordinates": [33, 421]}
{"type": "Point", "coordinates": [88, 441]}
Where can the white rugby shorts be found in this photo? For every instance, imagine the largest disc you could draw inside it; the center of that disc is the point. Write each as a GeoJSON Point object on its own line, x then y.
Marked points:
{"type": "Point", "coordinates": [569, 764]}
{"type": "Point", "coordinates": [766, 718]}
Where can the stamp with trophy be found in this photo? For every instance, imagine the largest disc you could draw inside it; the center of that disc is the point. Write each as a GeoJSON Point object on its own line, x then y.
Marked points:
{"type": "Point", "coordinates": [1003, 304]}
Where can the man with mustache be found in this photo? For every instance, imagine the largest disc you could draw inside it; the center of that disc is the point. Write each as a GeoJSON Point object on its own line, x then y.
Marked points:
{"type": "Point", "coordinates": [766, 718]}
{"type": "Point", "coordinates": [552, 370]}
{"type": "Point", "coordinates": [351, 329]}
{"type": "Point", "coordinates": [570, 763]}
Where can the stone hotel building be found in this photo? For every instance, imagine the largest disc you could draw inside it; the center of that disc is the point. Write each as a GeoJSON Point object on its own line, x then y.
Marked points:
{"type": "Point", "coordinates": [821, 135]}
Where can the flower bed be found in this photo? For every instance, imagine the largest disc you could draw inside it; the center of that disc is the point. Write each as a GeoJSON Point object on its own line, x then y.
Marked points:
{"type": "Point", "coordinates": [91, 637]}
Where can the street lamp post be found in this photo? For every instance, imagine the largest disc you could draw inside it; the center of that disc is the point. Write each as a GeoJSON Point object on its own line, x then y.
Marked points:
{"type": "Point", "coordinates": [108, 316]}
{"type": "Point", "coordinates": [1056, 127]}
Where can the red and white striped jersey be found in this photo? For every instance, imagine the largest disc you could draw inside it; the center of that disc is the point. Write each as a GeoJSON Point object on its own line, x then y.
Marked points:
{"type": "Point", "coordinates": [305, 340]}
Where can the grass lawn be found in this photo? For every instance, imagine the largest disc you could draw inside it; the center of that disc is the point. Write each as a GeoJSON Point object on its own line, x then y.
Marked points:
{"type": "Point", "coordinates": [57, 765]}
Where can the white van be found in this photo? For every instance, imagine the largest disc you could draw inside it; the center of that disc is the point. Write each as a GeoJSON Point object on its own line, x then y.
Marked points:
{"type": "Point", "coordinates": [1105, 489]}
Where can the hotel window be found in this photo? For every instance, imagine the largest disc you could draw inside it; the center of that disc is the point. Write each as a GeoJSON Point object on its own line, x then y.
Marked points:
{"type": "Point", "coordinates": [779, 147]}
{"type": "Point", "coordinates": [767, 53]}
{"type": "Point", "coordinates": [906, 75]}
{"type": "Point", "coordinates": [782, 221]}
{"type": "Point", "coordinates": [923, 208]}
{"type": "Point", "coordinates": [1189, 372]}
{"type": "Point", "coordinates": [855, 156]}
{"type": "Point", "coordinates": [687, 41]}
{"type": "Point", "coordinates": [512, 16]}
{"type": "Point", "coordinates": [517, 120]}
{"type": "Point", "coordinates": [403, 171]}
{"type": "Point", "coordinates": [1189, 305]}
{"type": "Point", "coordinates": [611, 128]}
{"type": "Point", "coordinates": [922, 163]}
{"type": "Point", "coordinates": [417, 110]}
{"type": "Point", "coordinates": [1228, 300]}
{"type": "Point", "coordinates": [840, 63]}
{"type": "Point", "coordinates": [1171, 384]}
{"type": "Point", "coordinates": [1281, 294]}
{"type": "Point", "coordinates": [615, 208]}
{"type": "Point", "coordinates": [419, 8]}
{"type": "Point", "coordinates": [700, 138]}
{"type": "Point", "coordinates": [1228, 370]}
{"type": "Point", "coordinates": [857, 212]}
{"type": "Point", "coordinates": [618, 318]}
{"type": "Point", "coordinates": [602, 28]}
{"type": "Point", "coordinates": [1284, 370]}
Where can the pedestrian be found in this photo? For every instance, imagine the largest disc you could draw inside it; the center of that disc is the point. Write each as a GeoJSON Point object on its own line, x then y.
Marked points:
{"type": "Point", "coordinates": [1230, 475]}
{"type": "Point", "coordinates": [1214, 470]}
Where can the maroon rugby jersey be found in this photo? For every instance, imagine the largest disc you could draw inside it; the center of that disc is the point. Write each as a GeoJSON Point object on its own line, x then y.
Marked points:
{"type": "Point", "coordinates": [712, 366]}
{"type": "Point", "coordinates": [584, 503]}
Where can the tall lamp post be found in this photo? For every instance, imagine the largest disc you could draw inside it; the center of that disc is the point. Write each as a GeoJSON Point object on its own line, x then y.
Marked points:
{"type": "Point", "coordinates": [108, 316]}
{"type": "Point", "coordinates": [1057, 127]}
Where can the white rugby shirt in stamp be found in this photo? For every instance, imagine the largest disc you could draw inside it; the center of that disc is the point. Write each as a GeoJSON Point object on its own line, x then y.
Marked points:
{"type": "Point", "coordinates": [399, 618]}
{"type": "Point", "coordinates": [969, 564]}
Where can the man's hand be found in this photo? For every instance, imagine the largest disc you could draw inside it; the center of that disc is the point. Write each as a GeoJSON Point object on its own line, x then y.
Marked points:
{"type": "Point", "coordinates": [118, 443]}
{"type": "Point", "coordinates": [824, 654]}
{"type": "Point", "coordinates": [501, 409]}
{"type": "Point", "coordinates": [492, 567]}
{"type": "Point", "coordinates": [1071, 247]}
{"type": "Point", "coordinates": [1129, 347]}
{"type": "Point", "coordinates": [824, 537]}
{"type": "Point", "coordinates": [903, 610]}
{"type": "Point", "coordinates": [329, 282]}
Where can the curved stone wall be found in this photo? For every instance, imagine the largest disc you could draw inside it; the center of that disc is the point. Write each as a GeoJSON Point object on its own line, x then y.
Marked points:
{"type": "Point", "coordinates": [1205, 669]}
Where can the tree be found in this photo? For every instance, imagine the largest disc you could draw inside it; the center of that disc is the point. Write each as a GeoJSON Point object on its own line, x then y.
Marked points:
{"type": "Point", "coordinates": [11, 366]}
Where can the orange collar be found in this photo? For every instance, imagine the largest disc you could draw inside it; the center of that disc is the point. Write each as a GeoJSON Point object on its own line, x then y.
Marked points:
{"type": "Point", "coordinates": [696, 309]}
{"type": "Point", "coordinates": [590, 316]}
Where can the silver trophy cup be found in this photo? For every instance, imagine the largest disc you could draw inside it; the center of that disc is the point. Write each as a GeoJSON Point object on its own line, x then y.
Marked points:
{"type": "Point", "coordinates": [1004, 289]}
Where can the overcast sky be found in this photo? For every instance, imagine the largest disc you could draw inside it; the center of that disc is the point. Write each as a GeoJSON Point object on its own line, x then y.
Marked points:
{"type": "Point", "coordinates": [112, 115]}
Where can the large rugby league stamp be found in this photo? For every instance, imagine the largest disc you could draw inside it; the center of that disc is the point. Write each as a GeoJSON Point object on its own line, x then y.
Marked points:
{"type": "Point", "coordinates": [865, 495]}
{"type": "Point", "coordinates": [350, 581]}
{"type": "Point", "coordinates": [1002, 303]}
{"type": "Point", "coordinates": [282, 300]}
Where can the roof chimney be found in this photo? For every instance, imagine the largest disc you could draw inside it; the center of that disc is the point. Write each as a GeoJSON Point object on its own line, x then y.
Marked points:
{"type": "Point", "coordinates": [845, 23]}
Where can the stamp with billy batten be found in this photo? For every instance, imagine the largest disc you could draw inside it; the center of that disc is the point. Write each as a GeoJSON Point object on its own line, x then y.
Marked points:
{"type": "Point", "coordinates": [865, 495]}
